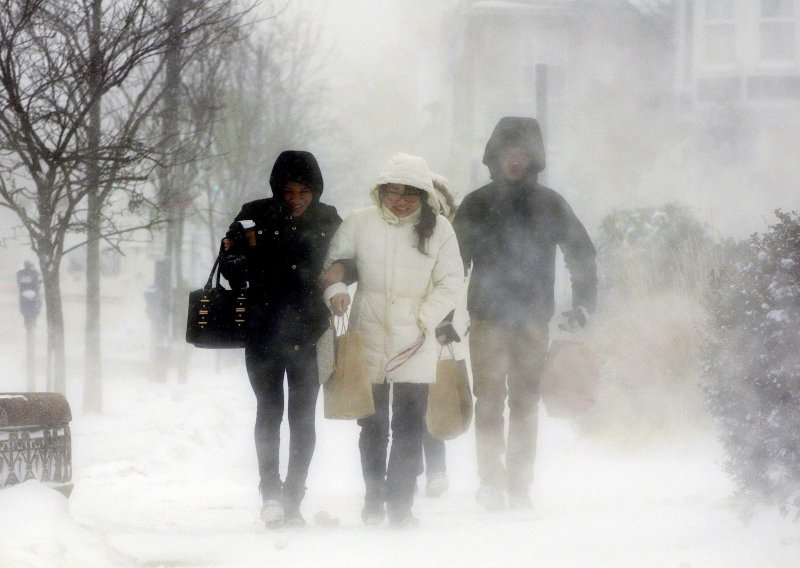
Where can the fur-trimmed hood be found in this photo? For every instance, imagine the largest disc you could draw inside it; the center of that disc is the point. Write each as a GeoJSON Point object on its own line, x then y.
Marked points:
{"type": "Point", "coordinates": [441, 186]}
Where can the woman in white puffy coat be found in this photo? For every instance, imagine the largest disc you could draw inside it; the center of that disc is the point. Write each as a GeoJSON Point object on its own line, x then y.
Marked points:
{"type": "Point", "coordinates": [410, 275]}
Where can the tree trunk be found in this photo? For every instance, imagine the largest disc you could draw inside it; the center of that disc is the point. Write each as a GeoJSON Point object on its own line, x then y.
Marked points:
{"type": "Point", "coordinates": [162, 320]}
{"type": "Point", "coordinates": [179, 303]}
{"type": "Point", "coordinates": [56, 360]}
{"type": "Point", "coordinates": [93, 385]}
{"type": "Point", "coordinates": [93, 377]}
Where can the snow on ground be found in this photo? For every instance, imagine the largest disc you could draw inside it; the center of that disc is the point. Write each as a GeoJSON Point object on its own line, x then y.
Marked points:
{"type": "Point", "coordinates": [167, 477]}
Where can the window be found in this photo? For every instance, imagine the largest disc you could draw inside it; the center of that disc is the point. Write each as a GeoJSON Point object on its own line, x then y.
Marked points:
{"type": "Point", "coordinates": [777, 30]}
{"type": "Point", "coordinates": [720, 32]}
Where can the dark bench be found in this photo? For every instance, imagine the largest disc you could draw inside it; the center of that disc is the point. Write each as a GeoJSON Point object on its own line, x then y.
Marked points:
{"type": "Point", "coordinates": [35, 440]}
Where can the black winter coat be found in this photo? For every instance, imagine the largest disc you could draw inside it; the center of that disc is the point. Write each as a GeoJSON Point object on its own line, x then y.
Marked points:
{"type": "Point", "coordinates": [282, 269]}
{"type": "Point", "coordinates": [508, 232]}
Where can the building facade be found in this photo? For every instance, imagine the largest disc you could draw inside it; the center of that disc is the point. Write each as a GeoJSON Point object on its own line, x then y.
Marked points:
{"type": "Point", "coordinates": [639, 99]}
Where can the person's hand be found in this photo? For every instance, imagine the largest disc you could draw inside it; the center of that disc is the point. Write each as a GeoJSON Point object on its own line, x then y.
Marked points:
{"type": "Point", "coordinates": [574, 319]}
{"type": "Point", "coordinates": [339, 304]}
{"type": "Point", "coordinates": [446, 333]}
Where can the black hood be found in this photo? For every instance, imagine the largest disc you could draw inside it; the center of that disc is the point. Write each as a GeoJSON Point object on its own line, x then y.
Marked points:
{"type": "Point", "coordinates": [515, 131]}
{"type": "Point", "coordinates": [299, 166]}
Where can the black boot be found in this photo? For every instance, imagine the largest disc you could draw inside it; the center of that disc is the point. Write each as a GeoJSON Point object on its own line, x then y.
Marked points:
{"type": "Point", "coordinates": [374, 510]}
{"type": "Point", "coordinates": [292, 498]}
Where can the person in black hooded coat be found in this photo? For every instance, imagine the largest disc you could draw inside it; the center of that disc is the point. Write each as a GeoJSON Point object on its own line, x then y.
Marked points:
{"type": "Point", "coordinates": [508, 232]}
{"type": "Point", "coordinates": [276, 247]}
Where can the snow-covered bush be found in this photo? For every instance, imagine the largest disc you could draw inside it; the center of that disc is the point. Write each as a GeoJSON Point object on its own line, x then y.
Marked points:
{"type": "Point", "coordinates": [650, 373]}
{"type": "Point", "coordinates": [651, 248]}
{"type": "Point", "coordinates": [751, 362]}
{"type": "Point", "coordinates": [654, 265]}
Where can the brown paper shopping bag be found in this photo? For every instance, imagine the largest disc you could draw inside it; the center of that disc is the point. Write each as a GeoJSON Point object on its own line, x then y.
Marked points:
{"type": "Point", "coordinates": [569, 381]}
{"type": "Point", "coordinates": [348, 393]}
{"type": "Point", "coordinates": [326, 354]}
{"type": "Point", "coordinates": [449, 400]}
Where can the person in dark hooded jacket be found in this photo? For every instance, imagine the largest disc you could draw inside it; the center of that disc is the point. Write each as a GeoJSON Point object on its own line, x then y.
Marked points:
{"type": "Point", "coordinates": [276, 247]}
{"type": "Point", "coordinates": [507, 233]}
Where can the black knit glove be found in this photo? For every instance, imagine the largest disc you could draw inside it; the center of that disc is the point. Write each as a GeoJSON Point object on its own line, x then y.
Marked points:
{"type": "Point", "coordinates": [574, 319]}
{"type": "Point", "coordinates": [445, 332]}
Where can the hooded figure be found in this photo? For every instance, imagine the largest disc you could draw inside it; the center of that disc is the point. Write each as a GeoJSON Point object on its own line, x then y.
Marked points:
{"type": "Point", "coordinates": [409, 278]}
{"type": "Point", "coordinates": [521, 132]}
{"type": "Point", "coordinates": [508, 232]}
{"type": "Point", "coordinates": [297, 166]}
{"type": "Point", "coordinates": [276, 247]}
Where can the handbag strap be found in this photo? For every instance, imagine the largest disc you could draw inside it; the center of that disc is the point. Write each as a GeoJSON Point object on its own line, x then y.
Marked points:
{"type": "Point", "coordinates": [449, 347]}
{"type": "Point", "coordinates": [214, 268]}
{"type": "Point", "coordinates": [340, 325]}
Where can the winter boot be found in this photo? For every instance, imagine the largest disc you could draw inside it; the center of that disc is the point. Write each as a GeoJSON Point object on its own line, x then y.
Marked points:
{"type": "Point", "coordinates": [519, 499]}
{"type": "Point", "coordinates": [272, 514]}
{"type": "Point", "coordinates": [291, 507]}
{"type": "Point", "coordinates": [374, 510]}
{"type": "Point", "coordinates": [491, 498]}
{"type": "Point", "coordinates": [437, 484]}
{"type": "Point", "coordinates": [406, 521]}
{"type": "Point", "coordinates": [293, 518]}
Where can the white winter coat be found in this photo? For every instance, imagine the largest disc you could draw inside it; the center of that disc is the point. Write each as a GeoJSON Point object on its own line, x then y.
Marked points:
{"type": "Point", "coordinates": [401, 293]}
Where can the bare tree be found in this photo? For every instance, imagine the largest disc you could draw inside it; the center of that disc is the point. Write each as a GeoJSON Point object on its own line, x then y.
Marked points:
{"type": "Point", "coordinates": [193, 97]}
{"type": "Point", "coordinates": [274, 97]}
{"type": "Point", "coordinates": [56, 65]}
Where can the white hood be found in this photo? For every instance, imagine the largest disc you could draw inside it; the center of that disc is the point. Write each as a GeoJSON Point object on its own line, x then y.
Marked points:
{"type": "Point", "coordinates": [407, 170]}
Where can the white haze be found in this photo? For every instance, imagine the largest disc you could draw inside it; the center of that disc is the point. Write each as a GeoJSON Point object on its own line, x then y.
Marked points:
{"type": "Point", "coordinates": [166, 476]}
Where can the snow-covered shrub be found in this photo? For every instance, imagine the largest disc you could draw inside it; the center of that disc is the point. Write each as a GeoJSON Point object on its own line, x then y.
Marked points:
{"type": "Point", "coordinates": [751, 362]}
{"type": "Point", "coordinates": [650, 373]}
{"type": "Point", "coordinates": [654, 264]}
{"type": "Point", "coordinates": [651, 248]}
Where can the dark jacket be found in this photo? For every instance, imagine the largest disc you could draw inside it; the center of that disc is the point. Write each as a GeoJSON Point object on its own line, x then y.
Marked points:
{"type": "Point", "coordinates": [283, 259]}
{"type": "Point", "coordinates": [508, 232]}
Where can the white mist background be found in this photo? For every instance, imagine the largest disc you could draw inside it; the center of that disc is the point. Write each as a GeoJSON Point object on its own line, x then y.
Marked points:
{"type": "Point", "coordinates": [166, 476]}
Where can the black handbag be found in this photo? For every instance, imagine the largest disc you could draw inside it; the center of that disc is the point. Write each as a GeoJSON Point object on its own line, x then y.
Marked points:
{"type": "Point", "coordinates": [217, 316]}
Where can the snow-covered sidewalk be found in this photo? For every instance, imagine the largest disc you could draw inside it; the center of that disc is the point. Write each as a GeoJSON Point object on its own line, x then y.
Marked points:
{"type": "Point", "coordinates": [167, 477]}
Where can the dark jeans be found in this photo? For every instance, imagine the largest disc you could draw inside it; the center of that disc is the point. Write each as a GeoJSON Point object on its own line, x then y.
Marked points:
{"type": "Point", "coordinates": [266, 368]}
{"type": "Point", "coordinates": [393, 483]}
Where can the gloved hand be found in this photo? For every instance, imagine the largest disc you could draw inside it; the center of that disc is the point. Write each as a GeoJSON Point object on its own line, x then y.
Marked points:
{"type": "Point", "coordinates": [446, 333]}
{"type": "Point", "coordinates": [574, 319]}
{"type": "Point", "coordinates": [234, 268]}
{"type": "Point", "coordinates": [236, 237]}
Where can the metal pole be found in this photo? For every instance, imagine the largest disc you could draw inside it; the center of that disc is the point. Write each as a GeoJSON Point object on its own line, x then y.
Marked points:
{"type": "Point", "coordinates": [541, 105]}
{"type": "Point", "coordinates": [31, 355]}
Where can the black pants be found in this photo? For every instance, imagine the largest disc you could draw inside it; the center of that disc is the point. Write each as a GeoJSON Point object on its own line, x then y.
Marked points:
{"type": "Point", "coordinates": [395, 482]}
{"type": "Point", "coordinates": [266, 368]}
{"type": "Point", "coordinates": [434, 455]}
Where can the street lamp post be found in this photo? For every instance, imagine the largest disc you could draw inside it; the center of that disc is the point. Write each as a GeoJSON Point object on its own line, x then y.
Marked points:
{"type": "Point", "coordinates": [30, 304]}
